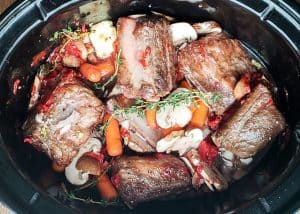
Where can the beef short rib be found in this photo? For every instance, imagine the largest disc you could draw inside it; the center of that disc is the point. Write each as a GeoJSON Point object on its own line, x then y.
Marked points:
{"type": "Point", "coordinates": [147, 57]}
{"type": "Point", "coordinates": [213, 64]}
{"type": "Point", "coordinates": [253, 125]}
{"type": "Point", "coordinates": [144, 178]}
{"type": "Point", "coordinates": [64, 121]}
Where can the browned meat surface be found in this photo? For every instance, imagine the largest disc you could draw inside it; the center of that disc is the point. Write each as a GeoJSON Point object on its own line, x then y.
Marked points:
{"type": "Point", "coordinates": [139, 179]}
{"type": "Point", "coordinates": [214, 64]}
{"type": "Point", "coordinates": [252, 126]}
{"type": "Point", "coordinates": [147, 69]}
{"type": "Point", "coordinates": [64, 121]}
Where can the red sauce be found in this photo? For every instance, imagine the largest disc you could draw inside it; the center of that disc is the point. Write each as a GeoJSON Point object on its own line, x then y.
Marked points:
{"type": "Point", "coordinates": [98, 156]}
{"type": "Point", "coordinates": [207, 151]}
{"type": "Point", "coordinates": [124, 133]}
{"type": "Point", "coordinates": [55, 56]}
{"type": "Point", "coordinates": [198, 170]}
{"type": "Point", "coordinates": [16, 86]}
{"type": "Point", "coordinates": [143, 56]}
{"type": "Point", "coordinates": [83, 28]}
{"type": "Point", "coordinates": [116, 181]}
{"type": "Point", "coordinates": [39, 57]}
{"type": "Point", "coordinates": [72, 49]}
{"type": "Point", "coordinates": [45, 106]}
{"type": "Point", "coordinates": [28, 140]}
{"type": "Point", "coordinates": [213, 121]}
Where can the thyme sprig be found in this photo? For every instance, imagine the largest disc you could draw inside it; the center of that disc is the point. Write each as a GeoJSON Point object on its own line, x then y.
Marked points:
{"type": "Point", "coordinates": [175, 99]}
{"type": "Point", "coordinates": [71, 196]}
{"type": "Point", "coordinates": [103, 86]}
{"type": "Point", "coordinates": [67, 33]}
{"type": "Point", "coordinates": [103, 203]}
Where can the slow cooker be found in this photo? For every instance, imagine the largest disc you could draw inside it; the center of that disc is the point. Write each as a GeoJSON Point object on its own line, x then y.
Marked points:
{"type": "Point", "coordinates": [269, 29]}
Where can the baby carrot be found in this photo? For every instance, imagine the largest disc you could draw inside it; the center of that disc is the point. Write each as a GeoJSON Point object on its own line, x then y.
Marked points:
{"type": "Point", "coordinates": [57, 168]}
{"type": "Point", "coordinates": [112, 136]}
{"type": "Point", "coordinates": [151, 117]}
{"type": "Point", "coordinates": [106, 188]}
{"type": "Point", "coordinates": [96, 73]}
{"type": "Point", "coordinates": [200, 114]}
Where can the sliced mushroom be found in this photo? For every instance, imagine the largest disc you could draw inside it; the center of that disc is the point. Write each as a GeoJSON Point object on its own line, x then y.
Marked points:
{"type": "Point", "coordinates": [74, 175]}
{"type": "Point", "coordinates": [182, 32]}
{"type": "Point", "coordinates": [207, 27]}
{"type": "Point", "coordinates": [180, 141]}
{"type": "Point", "coordinates": [89, 165]}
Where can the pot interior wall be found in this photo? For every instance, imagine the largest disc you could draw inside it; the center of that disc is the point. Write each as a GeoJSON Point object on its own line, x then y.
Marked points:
{"type": "Point", "coordinates": [268, 45]}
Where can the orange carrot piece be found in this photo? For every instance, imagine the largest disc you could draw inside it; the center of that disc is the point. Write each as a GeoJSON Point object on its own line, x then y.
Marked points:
{"type": "Point", "coordinates": [151, 117]}
{"type": "Point", "coordinates": [112, 136]}
{"type": "Point", "coordinates": [200, 114]}
{"type": "Point", "coordinates": [96, 73]}
{"type": "Point", "coordinates": [185, 84]}
{"type": "Point", "coordinates": [57, 168]}
{"type": "Point", "coordinates": [38, 58]}
{"type": "Point", "coordinates": [106, 188]}
{"type": "Point", "coordinates": [170, 130]}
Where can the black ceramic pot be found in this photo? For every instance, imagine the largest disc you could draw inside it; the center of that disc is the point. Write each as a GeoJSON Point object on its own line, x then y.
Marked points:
{"type": "Point", "coordinates": [270, 29]}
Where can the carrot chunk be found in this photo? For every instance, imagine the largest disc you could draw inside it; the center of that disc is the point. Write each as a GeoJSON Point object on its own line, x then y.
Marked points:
{"type": "Point", "coordinates": [106, 188]}
{"type": "Point", "coordinates": [151, 117]}
{"type": "Point", "coordinates": [112, 136]}
{"type": "Point", "coordinates": [200, 114]}
{"type": "Point", "coordinates": [96, 73]}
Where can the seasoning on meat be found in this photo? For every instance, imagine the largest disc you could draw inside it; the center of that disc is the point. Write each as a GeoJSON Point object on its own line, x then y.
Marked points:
{"type": "Point", "coordinates": [148, 57]}
{"type": "Point", "coordinates": [64, 122]}
{"type": "Point", "coordinates": [214, 64]}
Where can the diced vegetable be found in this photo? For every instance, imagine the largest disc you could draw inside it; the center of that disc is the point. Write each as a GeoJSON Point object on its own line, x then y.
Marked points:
{"type": "Point", "coordinates": [112, 136]}
{"type": "Point", "coordinates": [200, 114]}
{"type": "Point", "coordinates": [151, 117]}
{"type": "Point", "coordinates": [96, 73]}
{"type": "Point", "coordinates": [106, 188]}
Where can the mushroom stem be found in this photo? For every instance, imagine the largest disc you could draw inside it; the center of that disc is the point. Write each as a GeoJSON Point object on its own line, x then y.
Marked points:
{"type": "Point", "coordinates": [78, 177]}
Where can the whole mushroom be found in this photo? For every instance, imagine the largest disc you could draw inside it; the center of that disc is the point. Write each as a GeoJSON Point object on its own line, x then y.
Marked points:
{"type": "Point", "coordinates": [78, 176]}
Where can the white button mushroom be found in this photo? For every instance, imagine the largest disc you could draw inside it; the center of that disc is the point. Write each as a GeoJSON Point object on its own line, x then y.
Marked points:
{"type": "Point", "coordinates": [172, 116]}
{"type": "Point", "coordinates": [78, 177]}
{"type": "Point", "coordinates": [207, 27]}
{"type": "Point", "coordinates": [103, 36]}
{"type": "Point", "coordinates": [182, 32]}
{"type": "Point", "coordinates": [166, 144]}
{"type": "Point", "coordinates": [180, 141]}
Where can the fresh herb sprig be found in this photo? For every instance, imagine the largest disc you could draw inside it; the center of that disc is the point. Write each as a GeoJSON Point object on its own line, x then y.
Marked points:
{"type": "Point", "coordinates": [68, 33]}
{"type": "Point", "coordinates": [72, 196]}
{"type": "Point", "coordinates": [103, 86]}
{"type": "Point", "coordinates": [173, 100]}
{"type": "Point", "coordinates": [103, 203]}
